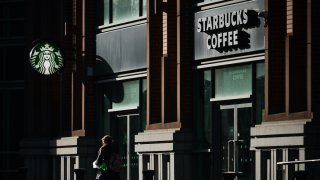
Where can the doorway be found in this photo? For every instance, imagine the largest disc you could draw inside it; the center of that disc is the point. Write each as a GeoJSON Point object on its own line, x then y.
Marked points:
{"type": "Point", "coordinates": [236, 159]}
{"type": "Point", "coordinates": [123, 128]}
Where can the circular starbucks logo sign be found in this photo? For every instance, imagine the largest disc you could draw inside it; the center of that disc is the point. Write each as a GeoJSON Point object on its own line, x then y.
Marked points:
{"type": "Point", "coordinates": [46, 58]}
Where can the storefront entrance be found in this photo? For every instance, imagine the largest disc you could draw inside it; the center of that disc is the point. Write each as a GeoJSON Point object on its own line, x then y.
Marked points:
{"type": "Point", "coordinates": [230, 103]}
{"type": "Point", "coordinates": [236, 159]}
{"type": "Point", "coordinates": [123, 128]}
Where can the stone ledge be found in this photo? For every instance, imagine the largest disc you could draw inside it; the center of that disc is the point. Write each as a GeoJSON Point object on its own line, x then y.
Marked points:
{"type": "Point", "coordinates": [62, 146]}
{"type": "Point", "coordinates": [277, 142]}
{"type": "Point", "coordinates": [291, 133]}
{"type": "Point", "coordinates": [164, 140]}
{"type": "Point", "coordinates": [163, 147]}
{"type": "Point", "coordinates": [293, 127]}
{"type": "Point", "coordinates": [163, 135]}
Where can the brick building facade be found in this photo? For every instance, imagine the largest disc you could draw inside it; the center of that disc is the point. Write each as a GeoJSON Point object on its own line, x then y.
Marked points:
{"type": "Point", "coordinates": [205, 89]}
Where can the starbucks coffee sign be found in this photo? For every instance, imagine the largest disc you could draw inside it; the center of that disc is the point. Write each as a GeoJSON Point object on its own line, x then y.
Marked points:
{"type": "Point", "coordinates": [46, 58]}
{"type": "Point", "coordinates": [228, 30]}
{"type": "Point", "coordinates": [217, 23]}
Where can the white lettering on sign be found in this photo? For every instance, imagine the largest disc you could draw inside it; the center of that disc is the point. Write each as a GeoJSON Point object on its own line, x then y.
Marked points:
{"type": "Point", "coordinates": [230, 19]}
{"type": "Point", "coordinates": [226, 20]}
{"type": "Point", "coordinates": [238, 74]}
{"type": "Point", "coordinates": [237, 77]}
{"type": "Point", "coordinates": [224, 39]}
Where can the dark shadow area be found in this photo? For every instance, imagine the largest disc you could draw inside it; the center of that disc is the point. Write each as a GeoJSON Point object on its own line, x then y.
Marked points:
{"type": "Point", "coordinates": [102, 67]}
{"type": "Point", "coordinates": [114, 90]}
{"type": "Point", "coordinates": [315, 63]}
{"type": "Point", "coordinates": [253, 20]}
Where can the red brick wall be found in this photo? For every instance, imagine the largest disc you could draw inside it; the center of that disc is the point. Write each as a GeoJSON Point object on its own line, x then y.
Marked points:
{"type": "Point", "coordinates": [48, 98]}
{"type": "Point", "coordinates": [154, 55]}
{"type": "Point", "coordinates": [298, 58]}
{"type": "Point", "coordinates": [288, 74]}
{"type": "Point", "coordinates": [170, 102]}
{"type": "Point", "coordinates": [44, 21]}
{"type": "Point", "coordinates": [315, 16]}
{"type": "Point", "coordinates": [185, 59]}
{"type": "Point", "coordinates": [89, 62]}
{"type": "Point", "coordinates": [276, 56]}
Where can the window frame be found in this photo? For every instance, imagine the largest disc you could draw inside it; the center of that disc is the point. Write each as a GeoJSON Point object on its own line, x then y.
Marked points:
{"type": "Point", "coordinates": [142, 14]}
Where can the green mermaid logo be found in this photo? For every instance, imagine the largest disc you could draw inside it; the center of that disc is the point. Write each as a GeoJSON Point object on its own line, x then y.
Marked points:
{"type": "Point", "coordinates": [46, 58]}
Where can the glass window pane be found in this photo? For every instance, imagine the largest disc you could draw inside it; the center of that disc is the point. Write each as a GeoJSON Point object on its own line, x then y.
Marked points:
{"type": "Point", "coordinates": [105, 114]}
{"type": "Point", "coordinates": [12, 28]}
{"type": "Point", "coordinates": [227, 135]}
{"type": "Point", "coordinates": [245, 160]}
{"type": "Point", "coordinates": [16, 29]}
{"type": "Point", "coordinates": [17, 9]}
{"type": "Point", "coordinates": [144, 8]}
{"type": "Point", "coordinates": [106, 11]}
{"type": "Point", "coordinates": [143, 104]}
{"type": "Point", "coordinates": [4, 28]}
{"type": "Point", "coordinates": [103, 117]}
{"type": "Point", "coordinates": [15, 63]}
{"type": "Point", "coordinates": [120, 95]}
{"type": "Point", "coordinates": [12, 10]}
{"type": "Point", "coordinates": [11, 118]}
{"type": "Point", "coordinates": [233, 81]}
{"type": "Point", "coordinates": [2, 56]}
{"type": "Point", "coordinates": [206, 1]}
{"type": "Point", "coordinates": [125, 95]}
{"type": "Point", "coordinates": [125, 10]}
{"type": "Point", "coordinates": [260, 93]}
{"type": "Point", "coordinates": [119, 131]}
{"type": "Point", "coordinates": [4, 121]}
{"type": "Point", "coordinates": [134, 130]}
{"type": "Point", "coordinates": [207, 126]}
{"type": "Point", "coordinates": [203, 110]}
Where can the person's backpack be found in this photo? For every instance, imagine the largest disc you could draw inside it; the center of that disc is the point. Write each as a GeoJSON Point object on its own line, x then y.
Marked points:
{"type": "Point", "coordinates": [115, 162]}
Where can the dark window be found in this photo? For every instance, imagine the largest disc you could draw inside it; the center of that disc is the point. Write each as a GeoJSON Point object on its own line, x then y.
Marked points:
{"type": "Point", "coordinates": [11, 92]}
{"type": "Point", "coordinates": [11, 10]}
{"type": "Point", "coordinates": [121, 95]}
{"type": "Point", "coordinates": [260, 110]}
{"type": "Point", "coordinates": [13, 63]}
{"type": "Point", "coordinates": [12, 51]}
{"type": "Point", "coordinates": [11, 115]}
{"type": "Point", "coordinates": [11, 19]}
{"type": "Point", "coordinates": [120, 11]}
